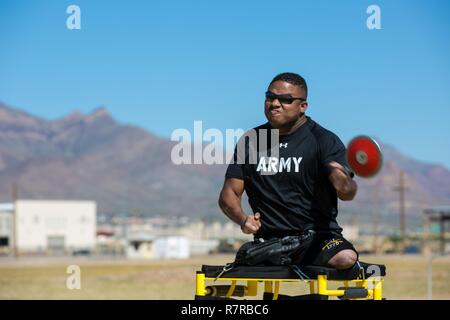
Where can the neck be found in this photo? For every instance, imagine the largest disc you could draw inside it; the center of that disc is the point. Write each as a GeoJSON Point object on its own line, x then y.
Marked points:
{"type": "Point", "coordinates": [292, 127]}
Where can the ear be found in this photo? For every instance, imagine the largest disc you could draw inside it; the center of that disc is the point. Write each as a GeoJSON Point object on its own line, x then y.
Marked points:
{"type": "Point", "coordinates": [303, 106]}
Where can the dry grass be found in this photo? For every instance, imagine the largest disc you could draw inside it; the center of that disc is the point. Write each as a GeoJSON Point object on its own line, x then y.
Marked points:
{"type": "Point", "coordinates": [175, 279]}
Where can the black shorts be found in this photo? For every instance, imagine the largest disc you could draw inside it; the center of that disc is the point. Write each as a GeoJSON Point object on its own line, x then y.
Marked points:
{"type": "Point", "coordinates": [325, 246]}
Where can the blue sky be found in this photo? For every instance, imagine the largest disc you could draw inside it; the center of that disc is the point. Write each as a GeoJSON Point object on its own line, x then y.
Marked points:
{"type": "Point", "coordinates": [163, 64]}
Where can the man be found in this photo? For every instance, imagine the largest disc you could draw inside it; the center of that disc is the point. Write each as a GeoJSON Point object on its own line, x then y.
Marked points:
{"type": "Point", "coordinates": [300, 193]}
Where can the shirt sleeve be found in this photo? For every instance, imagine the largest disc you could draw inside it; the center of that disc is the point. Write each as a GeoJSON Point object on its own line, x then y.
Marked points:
{"type": "Point", "coordinates": [235, 168]}
{"type": "Point", "coordinates": [234, 171]}
{"type": "Point", "coordinates": [332, 149]}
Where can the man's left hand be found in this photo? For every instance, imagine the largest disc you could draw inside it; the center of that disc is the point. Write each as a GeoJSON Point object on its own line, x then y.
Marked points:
{"type": "Point", "coordinates": [342, 181]}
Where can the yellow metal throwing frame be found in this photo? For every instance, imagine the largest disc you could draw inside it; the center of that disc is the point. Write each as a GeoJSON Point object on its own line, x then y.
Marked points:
{"type": "Point", "coordinates": [373, 285]}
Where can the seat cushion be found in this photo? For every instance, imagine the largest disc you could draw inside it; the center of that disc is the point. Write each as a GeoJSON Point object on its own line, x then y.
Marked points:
{"type": "Point", "coordinates": [285, 272]}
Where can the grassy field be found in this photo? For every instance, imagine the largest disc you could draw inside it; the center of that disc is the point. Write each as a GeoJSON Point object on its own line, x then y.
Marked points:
{"type": "Point", "coordinates": [175, 279]}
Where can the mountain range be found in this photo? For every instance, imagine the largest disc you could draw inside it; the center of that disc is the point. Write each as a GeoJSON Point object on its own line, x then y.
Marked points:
{"type": "Point", "coordinates": [127, 169]}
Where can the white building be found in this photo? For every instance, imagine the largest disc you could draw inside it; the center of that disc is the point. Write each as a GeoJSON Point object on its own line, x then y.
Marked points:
{"type": "Point", "coordinates": [54, 226]}
{"type": "Point", "coordinates": [142, 246]}
{"type": "Point", "coordinates": [172, 247]}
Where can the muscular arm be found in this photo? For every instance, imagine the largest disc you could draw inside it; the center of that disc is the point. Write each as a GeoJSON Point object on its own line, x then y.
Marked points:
{"type": "Point", "coordinates": [230, 203]}
{"type": "Point", "coordinates": [345, 186]}
{"type": "Point", "coordinates": [230, 200]}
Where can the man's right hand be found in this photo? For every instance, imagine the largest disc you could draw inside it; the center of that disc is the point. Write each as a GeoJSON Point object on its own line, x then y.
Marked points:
{"type": "Point", "coordinates": [252, 223]}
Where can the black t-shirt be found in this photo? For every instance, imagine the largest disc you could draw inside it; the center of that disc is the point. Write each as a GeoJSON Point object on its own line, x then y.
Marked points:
{"type": "Point", "coordinates": [292, 192]}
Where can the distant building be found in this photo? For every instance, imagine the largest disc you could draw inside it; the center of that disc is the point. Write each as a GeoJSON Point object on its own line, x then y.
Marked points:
{"type": "Point", "coordinates": [44, 226]}
{"type": "Point", "coordinates": [6, 227]}
{"type": "Point", "coordinates": [203, 247]}
{"type": "Point", "coordinates": [142, 246]}
{"type": "Point", "coordinates": [172, 247]}
{"type": "Point", "coordinates": [350, 232]}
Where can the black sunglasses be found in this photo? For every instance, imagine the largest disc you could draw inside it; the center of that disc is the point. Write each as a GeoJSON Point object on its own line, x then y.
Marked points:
{"type": "Point", "coordinates": [283, 98]}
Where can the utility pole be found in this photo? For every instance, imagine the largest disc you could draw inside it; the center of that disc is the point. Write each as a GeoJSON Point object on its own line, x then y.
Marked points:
{"type": "Point", "coordinates": [375, 217]}
{"type": "Point", "coordinates": [401, 188]}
